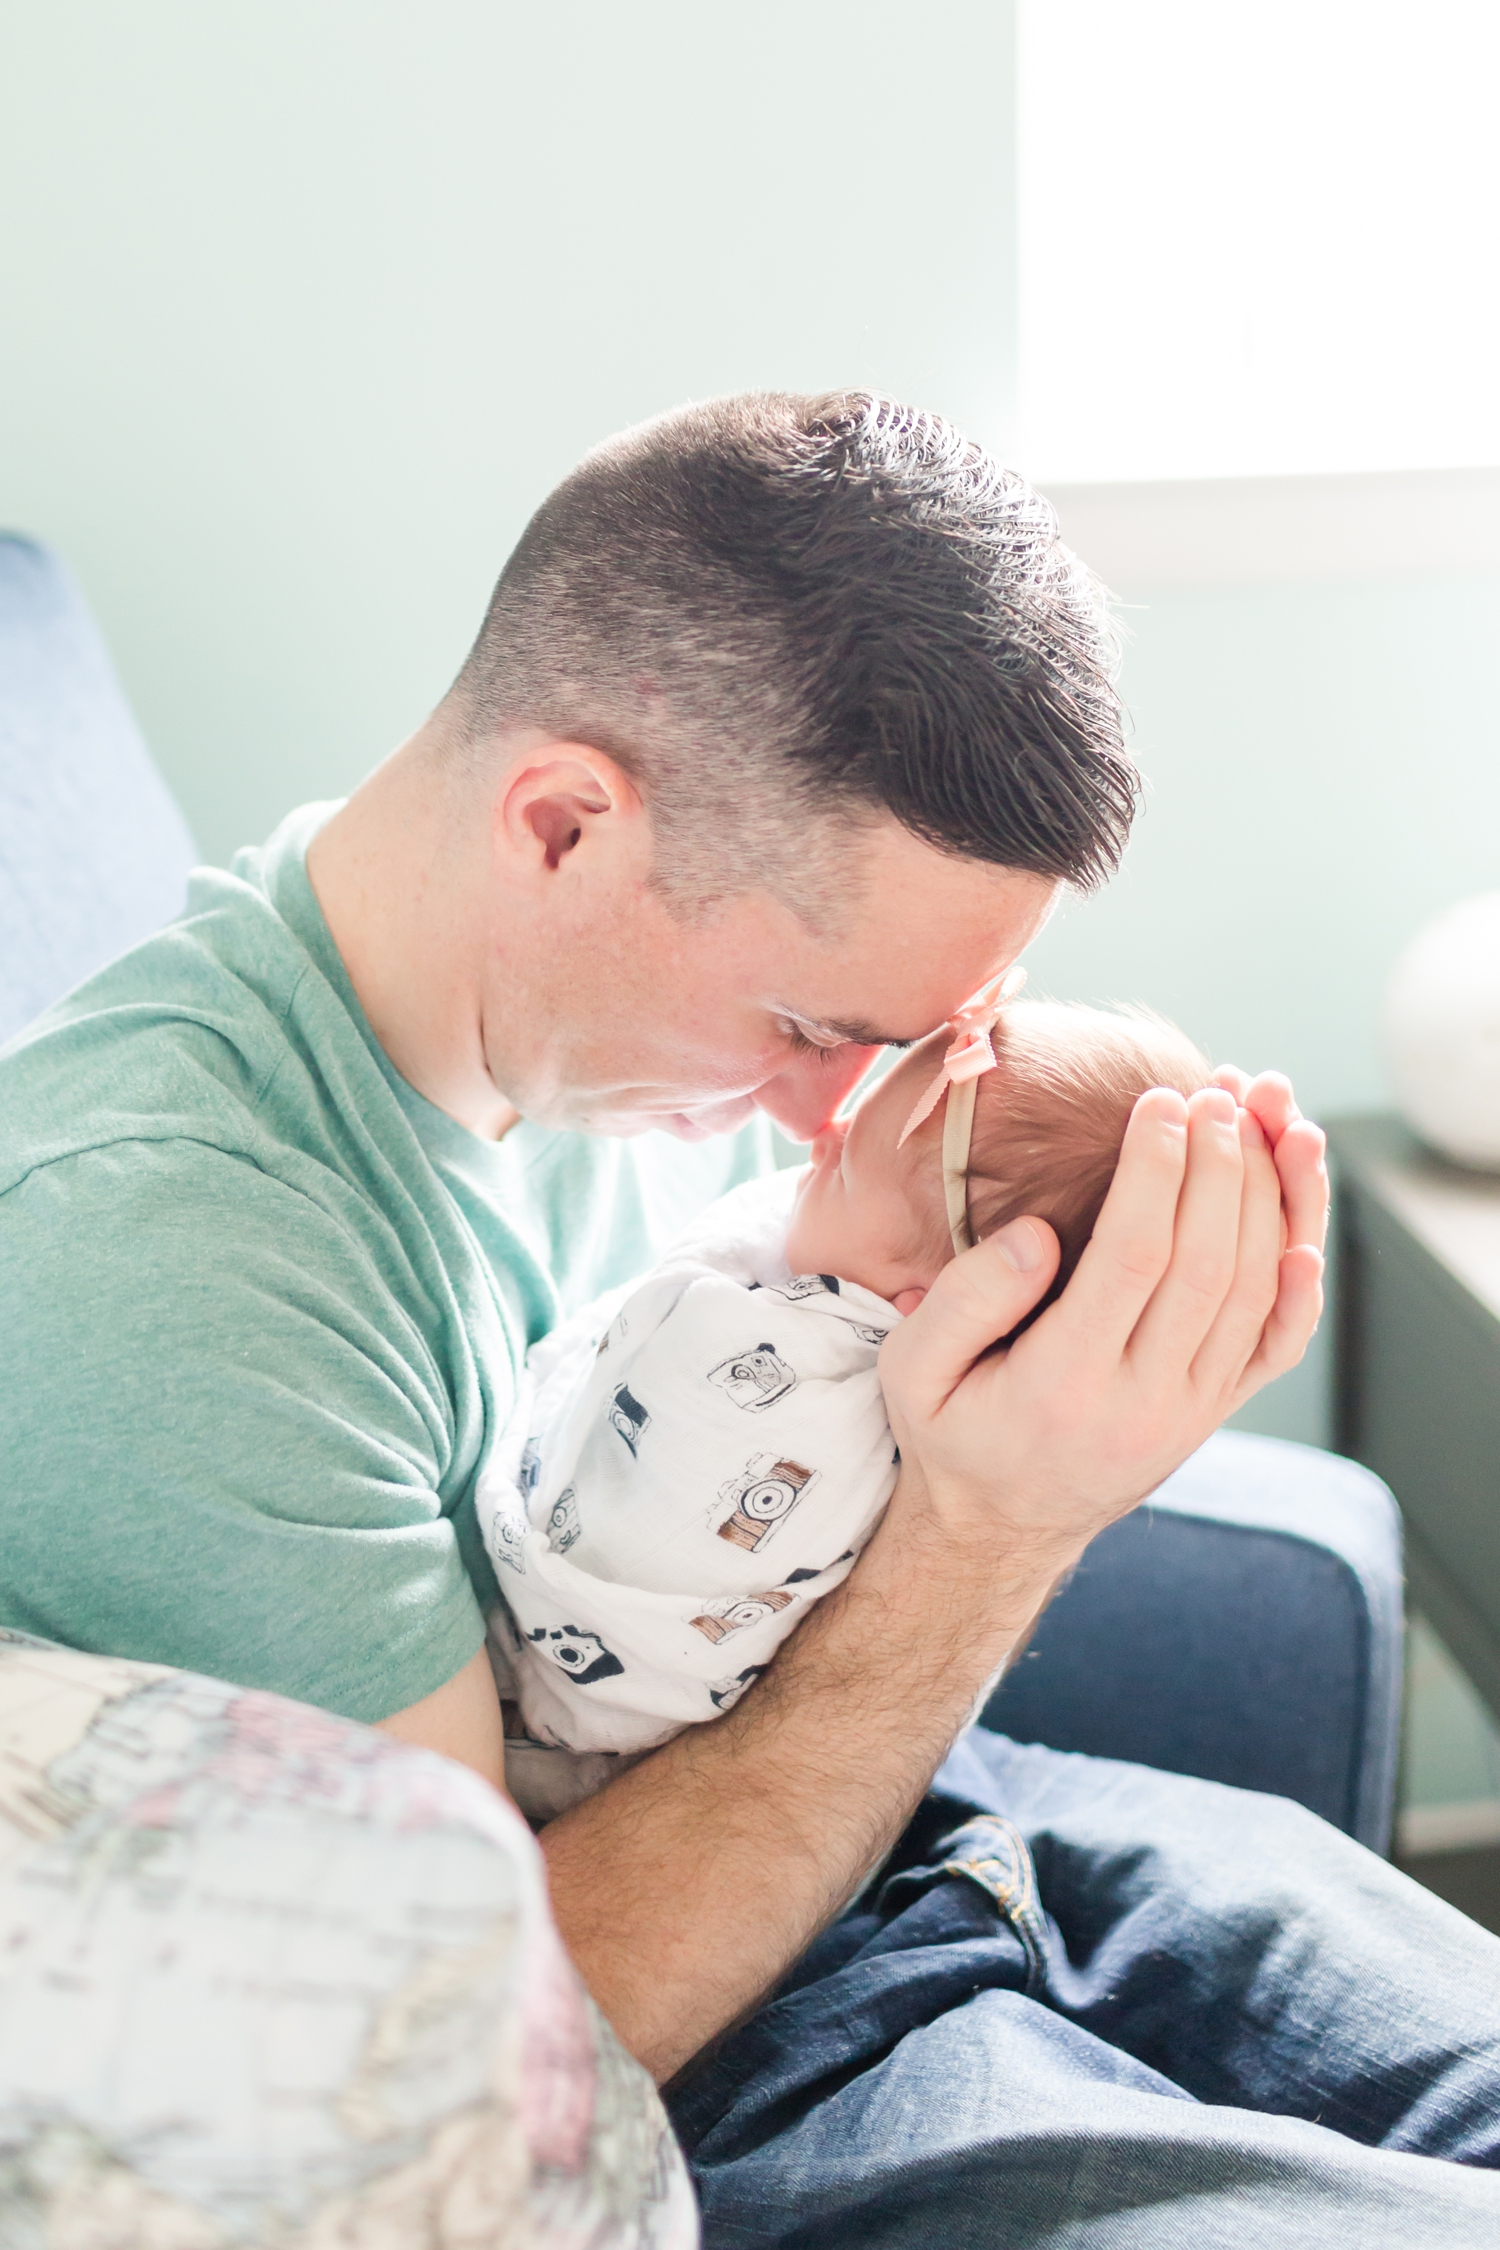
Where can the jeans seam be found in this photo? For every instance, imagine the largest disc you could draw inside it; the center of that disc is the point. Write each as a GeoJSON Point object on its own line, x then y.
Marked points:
{"type": "Point", "coordinates": [1009, 1880]}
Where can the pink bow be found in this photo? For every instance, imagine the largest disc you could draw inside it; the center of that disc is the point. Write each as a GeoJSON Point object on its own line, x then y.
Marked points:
{"type": "Point", "coordinates": [971, 1053]}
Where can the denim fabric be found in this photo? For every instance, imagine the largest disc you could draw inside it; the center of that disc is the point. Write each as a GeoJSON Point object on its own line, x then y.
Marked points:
{"type": "Point", "coordinates": [1095, 2005]}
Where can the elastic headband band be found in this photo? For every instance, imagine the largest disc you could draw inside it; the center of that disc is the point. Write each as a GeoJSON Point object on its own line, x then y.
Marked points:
{"type": "Point", "coordinates": [958, 1132]}
{"type": "Point", "coordinates": [969, 1056]}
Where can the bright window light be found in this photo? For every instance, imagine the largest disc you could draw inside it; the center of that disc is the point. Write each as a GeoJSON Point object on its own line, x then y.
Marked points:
{"type": "Point", "coordinates": [1258, 241]}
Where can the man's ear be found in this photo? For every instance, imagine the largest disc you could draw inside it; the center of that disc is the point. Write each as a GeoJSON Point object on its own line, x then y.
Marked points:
{"type": "Point", "coordinates": [557, 796]}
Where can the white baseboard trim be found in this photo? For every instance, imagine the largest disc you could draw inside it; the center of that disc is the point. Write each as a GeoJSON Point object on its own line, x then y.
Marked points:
{"type": "Point", "coordinates": [1448, 1828]}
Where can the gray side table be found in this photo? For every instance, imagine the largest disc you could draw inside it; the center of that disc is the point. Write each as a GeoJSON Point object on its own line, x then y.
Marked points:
{"type": "Point", "coordinates": [1418, 1368]}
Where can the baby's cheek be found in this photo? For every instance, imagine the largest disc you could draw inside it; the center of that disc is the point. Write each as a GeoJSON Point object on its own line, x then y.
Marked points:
{"type": "Point", "coordinates": [823, 1236]}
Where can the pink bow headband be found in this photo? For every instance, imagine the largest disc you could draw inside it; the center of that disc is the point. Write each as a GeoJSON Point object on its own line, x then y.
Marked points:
{"type": "Point", "coordinates": [969, 1056]}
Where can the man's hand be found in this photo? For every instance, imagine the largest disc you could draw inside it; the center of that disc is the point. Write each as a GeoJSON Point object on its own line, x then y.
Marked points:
{"type": "Point", "coordinates": [1199, 1285]}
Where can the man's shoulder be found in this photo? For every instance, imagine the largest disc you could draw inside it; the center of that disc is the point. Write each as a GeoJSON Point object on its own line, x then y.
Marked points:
{"type": "Point", "coordinates": [197, 1038]}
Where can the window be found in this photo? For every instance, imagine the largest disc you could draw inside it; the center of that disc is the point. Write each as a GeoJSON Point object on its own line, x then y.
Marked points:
{"type": "Point", "coordinates": [1258, 241]}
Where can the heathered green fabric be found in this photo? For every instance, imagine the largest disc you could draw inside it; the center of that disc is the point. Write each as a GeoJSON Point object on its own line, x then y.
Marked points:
{"type": "Point", "coordinates": [262, 1306]}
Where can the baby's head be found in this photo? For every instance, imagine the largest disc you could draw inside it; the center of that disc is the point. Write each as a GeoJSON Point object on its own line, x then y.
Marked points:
{"type": "Point", "coordinates": [1048, 1123]}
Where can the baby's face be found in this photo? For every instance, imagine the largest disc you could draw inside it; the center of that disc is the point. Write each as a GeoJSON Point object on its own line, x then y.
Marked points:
{"type": "Point", "coordinates": [863, 1212]}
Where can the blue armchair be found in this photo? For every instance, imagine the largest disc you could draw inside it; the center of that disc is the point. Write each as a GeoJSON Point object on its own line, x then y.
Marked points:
{"type": "Point", "coordinates": [1245, 1627]}
{"type": "Point", "coordinates": [94, 854]}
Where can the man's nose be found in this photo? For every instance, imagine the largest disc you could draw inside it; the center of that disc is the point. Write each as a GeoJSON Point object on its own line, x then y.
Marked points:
{"type": "Point", "coordinates": [803, 1097]}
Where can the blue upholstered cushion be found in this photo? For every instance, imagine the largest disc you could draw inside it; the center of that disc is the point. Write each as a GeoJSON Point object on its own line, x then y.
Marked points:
{"type": "Point", "coordinates": [1245, 1626]}
{"type": "Point", "coordinates": [94, 854]}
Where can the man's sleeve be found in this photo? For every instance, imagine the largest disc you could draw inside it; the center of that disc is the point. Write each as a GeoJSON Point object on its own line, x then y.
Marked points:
{"type": "Point", "coordinates": [224, 1433]}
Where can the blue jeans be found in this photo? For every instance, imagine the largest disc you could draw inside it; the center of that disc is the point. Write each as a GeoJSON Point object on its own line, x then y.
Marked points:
{"type": "Point", "coordinates": [1094, 2005]}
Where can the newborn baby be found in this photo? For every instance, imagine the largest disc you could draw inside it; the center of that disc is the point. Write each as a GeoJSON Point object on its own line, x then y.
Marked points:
{"type": "Point", "coordinates": [707, 1451]}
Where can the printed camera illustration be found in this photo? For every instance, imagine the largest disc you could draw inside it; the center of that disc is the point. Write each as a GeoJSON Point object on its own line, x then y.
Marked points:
{"type": "Point", "coordinates": [723, 1693]}
{"type": "Point", "coordinates": [807, 1285]}
{"type": "Point", "coordinates": [755, 1378]}
{"type": "Point", "coordinates": [629, 1418]}
{"type": "Point", "coordinates": [505, 1544]}
{"type": "Point", "coordinates": [563, 1526]}
{"type": "Point", "coordinates": [732, 1615]}
{"type": "Point", "coordinates": [761, 1498]}
{"type": "Point", "coordinates": [583, 1656]}
{"type": "Point", "coordinates": [528, 1475]}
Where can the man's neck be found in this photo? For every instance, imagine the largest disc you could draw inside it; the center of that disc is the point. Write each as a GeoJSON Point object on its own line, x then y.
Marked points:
{"type": "Point", "coordinates": [400, 884]}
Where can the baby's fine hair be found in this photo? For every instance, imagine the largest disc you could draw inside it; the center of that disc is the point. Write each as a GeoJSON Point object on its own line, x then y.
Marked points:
{"type": "Point", "coordinates": [1049, 1119]}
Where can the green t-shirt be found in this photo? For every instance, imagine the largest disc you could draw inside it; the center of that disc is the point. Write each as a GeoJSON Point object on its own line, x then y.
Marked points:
{"type": "Point", "coordinates": [262, 1307]}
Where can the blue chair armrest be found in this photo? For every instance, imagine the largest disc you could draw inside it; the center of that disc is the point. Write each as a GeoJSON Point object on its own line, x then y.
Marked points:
{"type": "Point", "coordinates": [1244, 1625]}
{"type": "Point", "coordinates": [94, 853]}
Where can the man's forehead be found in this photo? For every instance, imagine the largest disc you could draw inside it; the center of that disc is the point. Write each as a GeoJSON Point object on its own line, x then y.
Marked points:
{"type": "Point", "coordinates": [891, 984]}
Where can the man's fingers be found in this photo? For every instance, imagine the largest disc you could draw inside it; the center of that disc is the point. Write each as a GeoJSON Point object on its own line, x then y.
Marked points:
{"type": "Point", "coordinates": [1237, 1332]}
{"type": "Point", "coordinates": [973, 1303]}
{"type": "Point", "coordinates": [1205, 1246]}
{"type": "Point", "coordinates": [1297, 1311]}
{"type": "Point", "coordinates": [1299, 1153]}
{"type": "Point", "coordinates": [1270, 1099]}
{"type": "Point", "coordinates": [1300, 1162]}
{"type": "Point", "coordinates": [1132, 1238]}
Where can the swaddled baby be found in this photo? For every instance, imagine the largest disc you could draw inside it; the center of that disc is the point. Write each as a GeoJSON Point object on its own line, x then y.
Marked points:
{"type": "Point", "coordinates": [706, 1452]}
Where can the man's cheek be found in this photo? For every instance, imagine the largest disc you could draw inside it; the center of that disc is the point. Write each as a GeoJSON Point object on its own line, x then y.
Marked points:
{"type": "Point", "coordinates": [721, 1117]}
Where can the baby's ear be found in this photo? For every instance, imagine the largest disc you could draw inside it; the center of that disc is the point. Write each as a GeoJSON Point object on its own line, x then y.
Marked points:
{"type": "Point", "coordinates": [907, 1300]}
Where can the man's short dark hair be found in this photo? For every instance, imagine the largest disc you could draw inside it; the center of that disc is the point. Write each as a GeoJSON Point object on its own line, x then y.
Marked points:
{"type": "Point", "coordinates": [785, 616]}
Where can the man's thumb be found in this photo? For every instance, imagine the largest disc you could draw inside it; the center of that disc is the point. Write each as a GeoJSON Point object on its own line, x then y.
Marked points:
{"type": "Point", "coordinates": [975, 1300]}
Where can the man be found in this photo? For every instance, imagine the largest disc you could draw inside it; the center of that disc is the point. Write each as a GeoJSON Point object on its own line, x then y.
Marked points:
{"type": "Point", "coordinates": [787, 722]}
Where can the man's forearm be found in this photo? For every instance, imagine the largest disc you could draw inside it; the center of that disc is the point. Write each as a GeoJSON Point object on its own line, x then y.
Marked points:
{"type": "Point", "coordinates": [687, 1888]}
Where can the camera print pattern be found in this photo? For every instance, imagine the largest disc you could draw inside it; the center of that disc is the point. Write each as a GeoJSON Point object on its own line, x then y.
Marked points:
{"type": "Point", "coordinates": [805, 1285]}
{"type": "Point", "coordinates": [722, 1618]}
{"type": "Point", "coordinates": [508, 1541]}
{"type": "Point", "coordinates": [722, 1694]}
{"type": "Point", "coordinates": [563, 1526]}
{"type": "Point", "coordinates": [761, 1498]}
{"type": "Point", "coordinates": [629, 1419]}
{"type": "Point", "coordinates": [666, 1557]}
{"type": "Point", "coordinates": [581, 1655]}
{"type": "Point", "coordinates": [754, 1379]}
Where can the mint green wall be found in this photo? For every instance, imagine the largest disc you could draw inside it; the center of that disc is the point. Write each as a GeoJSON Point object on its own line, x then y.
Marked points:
{"type": "Point", "coordinates": [308, 302]}
{"type": "Point", "coordinates": [1324, 768]}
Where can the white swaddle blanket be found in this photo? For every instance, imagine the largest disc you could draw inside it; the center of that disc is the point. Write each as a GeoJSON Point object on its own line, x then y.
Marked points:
{"type": "Point", "coordinates": [698, 1458]}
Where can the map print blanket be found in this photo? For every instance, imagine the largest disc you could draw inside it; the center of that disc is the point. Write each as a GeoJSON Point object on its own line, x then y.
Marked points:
{"type": "Point", "coordinates": [267, 1977]}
